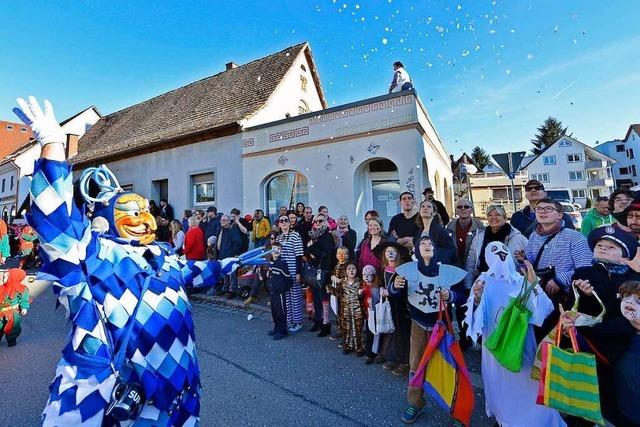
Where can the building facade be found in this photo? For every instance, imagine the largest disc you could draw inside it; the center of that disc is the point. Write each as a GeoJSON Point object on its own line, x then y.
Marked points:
{"type": "Point", "coordinates": [276, 146]}
{"type": "Point", "coordinates": [570, 167]}
{"type": "Point", "coordinates": [627, 169]}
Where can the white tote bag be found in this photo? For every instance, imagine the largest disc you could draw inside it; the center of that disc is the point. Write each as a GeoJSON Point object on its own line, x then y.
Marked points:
{"type": "Point", "coordinates": [371, 319]}
{"type": "Point", "coordinates": [384, 321]}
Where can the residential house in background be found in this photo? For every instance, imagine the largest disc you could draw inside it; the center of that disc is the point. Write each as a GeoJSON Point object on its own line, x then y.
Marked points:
{"type": "Point", "coordinates": [260, 135]}
{"type": "Point", "coordinates": [492, 186]}
{"type": "Point", "coordinates": [626, 172]}
{"type": "Point", "coordinates": [572, 170]}
{"type": "Point", "coordinates": [462, 169]}
{"type": "Point", "coordinates": [13, 136]}
{"type": "Point", "coordinates": [16, 165]}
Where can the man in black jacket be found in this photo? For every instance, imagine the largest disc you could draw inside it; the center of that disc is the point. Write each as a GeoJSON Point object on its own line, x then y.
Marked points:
{"type": "Point", "coordinates": [229, 245]}
{"type": "Point", "coordinates": [210, 224]}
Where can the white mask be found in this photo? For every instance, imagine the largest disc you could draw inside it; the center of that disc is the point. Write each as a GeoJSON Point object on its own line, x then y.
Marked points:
{"type": "Point", "coordinates": [500, 262]}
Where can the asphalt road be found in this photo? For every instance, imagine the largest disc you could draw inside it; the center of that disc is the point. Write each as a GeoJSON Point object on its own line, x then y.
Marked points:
{"type": "Point", "coordinates": [247, 379]}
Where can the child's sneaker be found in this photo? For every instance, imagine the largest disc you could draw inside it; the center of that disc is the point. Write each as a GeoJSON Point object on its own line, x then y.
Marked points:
{"type": "Point", "coordinates": [295, 328]}
{"type": "Point", "coordinates": [250, 300]}
{"type": "Point", "coordinates": [411, 414]}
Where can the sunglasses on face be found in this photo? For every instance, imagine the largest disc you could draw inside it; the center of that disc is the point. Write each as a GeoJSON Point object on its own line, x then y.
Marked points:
{"type": "Point", "coordinates": [318, 221]}
{"type": "Point", "coordinates": [283, 220]}
{"type": "Point", "coordinates": [464, 207]}
{"type": "Point", "coordinates": [533, 188]}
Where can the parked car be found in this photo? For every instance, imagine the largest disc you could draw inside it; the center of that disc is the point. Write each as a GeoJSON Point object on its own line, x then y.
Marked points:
{"type": "Point", "coordinates": [574, 213]}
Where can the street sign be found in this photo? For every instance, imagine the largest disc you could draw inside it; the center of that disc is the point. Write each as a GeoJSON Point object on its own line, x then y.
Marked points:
{"type": "Point", "coordinates": [509, 162]}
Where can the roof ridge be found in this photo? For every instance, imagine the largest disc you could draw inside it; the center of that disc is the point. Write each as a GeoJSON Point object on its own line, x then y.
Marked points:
{"type": "Point", "coordinates": [204, 79]}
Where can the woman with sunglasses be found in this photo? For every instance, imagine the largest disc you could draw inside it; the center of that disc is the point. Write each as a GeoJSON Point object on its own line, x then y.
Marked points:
{"type": "Point", "coordinates": [499, 230]}
{"type": "Point", "coordinates": [464, 228]}
{"type": "Point", "coordinates": [292, 253]}
{"type": "Point", "coordinates": [321, 248]}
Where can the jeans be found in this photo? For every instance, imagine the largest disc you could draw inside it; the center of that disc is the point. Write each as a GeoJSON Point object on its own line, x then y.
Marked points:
{"type": "Point", "coordinates": [260, 242]}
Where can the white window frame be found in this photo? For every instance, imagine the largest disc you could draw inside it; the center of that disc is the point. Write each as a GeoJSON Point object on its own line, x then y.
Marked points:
{"type": "Point", "coordinates": [542, 177]}
{"type": "Point", "coordinates": [565, 143]}
{"type": "Point", "coordinates": [581, 173]}
{"type": "Point", "coordinates": [9, 127]}
{"type": "Point", "coordinates": [549, 160]}
{"type": "Point", "coordinates": [195, 185]}
{"type": "Point", "coordinates": [577, 156]}
{"type": "Point", "coordinates": [579, 194]}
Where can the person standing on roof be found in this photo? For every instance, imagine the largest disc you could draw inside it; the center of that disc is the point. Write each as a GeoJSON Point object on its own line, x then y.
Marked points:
{"type": "Point", "coordinates": [401, 80]}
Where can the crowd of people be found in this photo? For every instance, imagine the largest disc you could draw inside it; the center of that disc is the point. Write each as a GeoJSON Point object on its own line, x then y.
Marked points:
{"type": "Point", "coordinates": [320, 266]}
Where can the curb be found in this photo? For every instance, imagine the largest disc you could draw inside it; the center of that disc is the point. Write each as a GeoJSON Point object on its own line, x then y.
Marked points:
{"type": "Point", "coordinates": [222, 301]}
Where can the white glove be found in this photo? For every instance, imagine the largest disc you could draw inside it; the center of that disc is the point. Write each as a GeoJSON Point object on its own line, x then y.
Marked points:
{"type": "Point", "coordinates": [44, 125]}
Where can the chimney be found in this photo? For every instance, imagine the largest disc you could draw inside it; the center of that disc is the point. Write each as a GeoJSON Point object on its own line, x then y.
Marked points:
{"type": "Point", "coordinates": [72, 145]}
{"type": "Point", "coordinates": [230, 66]}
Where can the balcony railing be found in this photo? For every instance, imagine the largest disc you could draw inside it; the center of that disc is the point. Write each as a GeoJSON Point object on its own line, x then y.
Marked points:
{"type": "Point", "coordinates": [597, 182]}
{"type": "Point", "coordinates": [594, 164]}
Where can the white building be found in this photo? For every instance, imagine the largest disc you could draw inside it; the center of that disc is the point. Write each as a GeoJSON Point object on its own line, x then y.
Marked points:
{"type": "Point", "coordinates": [572, 167]}
{"type": "Point", "coordinates": [627, 168]}
{"type": "Point", "coordinates": [17, 167]}
{"type": "Point", "coordinates": [260, 136]}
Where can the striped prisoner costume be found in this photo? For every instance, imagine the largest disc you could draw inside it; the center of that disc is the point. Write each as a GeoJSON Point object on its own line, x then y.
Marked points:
{"type": "Point", "coordinates": [292, 248]}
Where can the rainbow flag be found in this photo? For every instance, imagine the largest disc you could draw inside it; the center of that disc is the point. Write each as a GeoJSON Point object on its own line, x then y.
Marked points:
{"type": "Point", "coordinates": [443, 374]}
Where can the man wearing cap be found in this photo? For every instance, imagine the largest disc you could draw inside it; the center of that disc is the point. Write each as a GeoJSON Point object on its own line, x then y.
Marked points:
{"type": "Point", "coordinates": [210, 224]}
{"type": "Point", "coordinates": [525, 219]}
{"type": "Point", "coordinates": [630, 221]}
{"type": "Point", "coordinates": [428, 194]}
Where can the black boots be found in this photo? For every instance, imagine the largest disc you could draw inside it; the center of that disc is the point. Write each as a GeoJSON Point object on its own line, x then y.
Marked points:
{"type": "Point", "coordinates": [325, 330]}
{"type": "Point", "coordinates": [316, 326]}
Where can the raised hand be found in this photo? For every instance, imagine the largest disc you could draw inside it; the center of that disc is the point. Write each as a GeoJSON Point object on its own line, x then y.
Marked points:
{"type": "Point", "coordinates": [43, 124]}
{"type": "Point", "coordinates": [477, 289]}
{"type": "Point", "coordinates": [529, 272]}
{"type": "Point", "coordinates": [584, 286]}
{"type": "Point", "coordinates": [634, 263]}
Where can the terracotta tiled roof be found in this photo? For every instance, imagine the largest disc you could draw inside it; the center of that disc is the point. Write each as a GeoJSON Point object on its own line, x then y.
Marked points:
{"type": "Point", "coordinates": [217, 101]}
{"type": "Point", "coordinates": [13, 136]}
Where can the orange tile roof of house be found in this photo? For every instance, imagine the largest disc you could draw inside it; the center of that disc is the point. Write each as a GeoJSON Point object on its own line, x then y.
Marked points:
{"type": "Point", "coordinates": [13, 136]}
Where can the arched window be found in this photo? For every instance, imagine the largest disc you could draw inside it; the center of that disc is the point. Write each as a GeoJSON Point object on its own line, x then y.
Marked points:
{"type": "Point", "coordinates": [285, 189]}
{"type": "Point", "coordinates": [303, 107]}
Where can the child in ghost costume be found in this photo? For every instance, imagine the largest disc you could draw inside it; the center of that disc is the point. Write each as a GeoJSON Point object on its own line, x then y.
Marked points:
{"type": "Point", "coordinates": [509, 397]}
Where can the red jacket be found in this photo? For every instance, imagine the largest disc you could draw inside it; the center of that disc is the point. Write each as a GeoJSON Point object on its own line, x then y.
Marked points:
{"type": "Point", "coordinates": [194, 244]}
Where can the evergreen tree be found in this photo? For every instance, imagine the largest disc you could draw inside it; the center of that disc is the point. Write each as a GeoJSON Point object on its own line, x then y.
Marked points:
{"type": "Point", "coordinates": [550, 131]}
{"type": "Point", "coordinates": [480, 157]}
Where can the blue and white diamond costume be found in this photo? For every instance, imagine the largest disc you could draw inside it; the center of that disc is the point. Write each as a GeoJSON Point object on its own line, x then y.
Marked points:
{"type": "Point", "coordinates": [100, 276]}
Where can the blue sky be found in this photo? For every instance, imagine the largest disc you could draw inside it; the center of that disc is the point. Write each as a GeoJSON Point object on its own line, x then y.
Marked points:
{"type": "Point", "coordinates": [488, 71]}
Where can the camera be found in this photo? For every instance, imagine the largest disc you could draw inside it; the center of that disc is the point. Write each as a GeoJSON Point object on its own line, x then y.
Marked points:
{"type": "Point", "coordinates": [127, 401]}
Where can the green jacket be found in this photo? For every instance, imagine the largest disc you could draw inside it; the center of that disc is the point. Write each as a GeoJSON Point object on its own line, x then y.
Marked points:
{"type": "Point", "coordinates": [594, 220]}
{"type": "Point", "coordinates": [4, 246]}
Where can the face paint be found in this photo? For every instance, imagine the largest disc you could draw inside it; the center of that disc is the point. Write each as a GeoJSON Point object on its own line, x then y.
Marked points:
{"type": "Point", "coordinates": [132, 219]}
{"type": "Point", "coordinates": [342, 256]}
{"type": "Point", "coordinates": [391, 254]}
{"type": "Point", "coordinates": [276, 251]}
{"type": "Point", "coordinates": [368, 273]}
{"type": "Point", "coordinates": [630, 308]}
{"type": "Point", "coordinates": [351, 271]}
